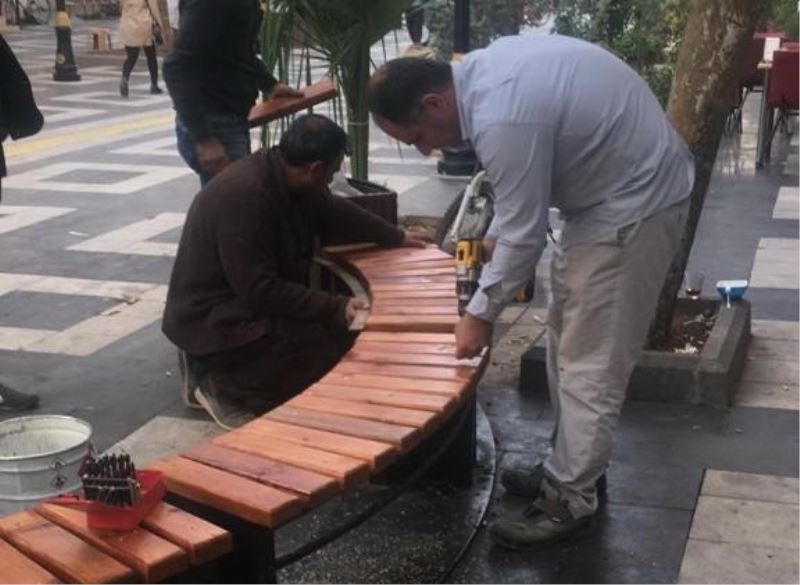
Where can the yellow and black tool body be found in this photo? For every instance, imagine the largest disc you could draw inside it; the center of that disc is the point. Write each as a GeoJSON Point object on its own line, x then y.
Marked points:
{"type": "Point", "coordinates": [469, 259]}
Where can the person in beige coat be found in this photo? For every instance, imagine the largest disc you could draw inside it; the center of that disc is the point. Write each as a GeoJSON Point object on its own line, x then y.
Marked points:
{"type": "Point", "coordinates": [135, 31]}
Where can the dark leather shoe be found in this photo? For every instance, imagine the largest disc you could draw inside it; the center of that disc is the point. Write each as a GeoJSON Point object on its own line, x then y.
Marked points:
{"type": "Point", "coordinates": [155, 90]}
{"type": "Point", "coordinates": [11, 399]}
{"type": "Point", "coordinates": [527, 483]}
{"type": "Point", "coordinates": [123, 87]}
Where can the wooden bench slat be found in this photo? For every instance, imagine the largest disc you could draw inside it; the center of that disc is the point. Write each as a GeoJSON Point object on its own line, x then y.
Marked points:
{"type": "Point", "coordinates": [387, 357]}
{"type": "Point", "coordinates": [380, 287]}
{"type": "Point", "coordinates": [423, 323]}
{"type": "Point", "coordinates": [447, 387]}
{"type": "Point", "coordinates": [412, 301]}
{"type": "Point", "coordinates": [402, 437]}
{"type": "Point", "coordinates": [391, 272]}
{"type": "Point", "coordinates": [455, 374]}
{"type": "Point", "coordinates": [314, 488]}
{"type": "Point", "coordinates": [377, 454]}
{"type": "Point", "coordinates": [443, 279]}
{"type": "Point", "coordinates": [405, 264]}
{"type": "Point", "coordinates": [446, 349]}
{"type": "Point", "coordinates": [15, 567]}
{"type": "Point", "coordinates": [412, 310]}
{"type": "Point", "coordinates": [274, 108]}
{"type": "Point", "coordinates": [241, 497]}
{"type": "Point", "coordinates": [346, 470]}
{"type": "Point", "coordinates": [407, 337]}
{"type": "Point", "coordinates": [202, 541]}
{"type": "Point", "coordinates": [69, 558]}
{"type": "Point", "coordinates": [421, 419]}
{"type": "Point", "coordinates": [386, 254]}
{"type": "Point", "coordinates": [415, 400]}
{"type": "Point", "coordinates": [152, 557]}
{"type": "Point", "coordinates": [409, 294]}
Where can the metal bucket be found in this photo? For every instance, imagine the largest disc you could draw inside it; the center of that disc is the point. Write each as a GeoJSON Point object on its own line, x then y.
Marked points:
{"type": "Point", "coordinates": [40, 457]}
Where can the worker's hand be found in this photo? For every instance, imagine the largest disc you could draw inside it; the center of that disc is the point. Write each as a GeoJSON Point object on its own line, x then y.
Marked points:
{"type": "Point", "coordinates": [488, 245]}
{"type": "Point", "coordinates": [416, 240]}
{"type": "Point", "coordinates": [283, 90]}
{"type": "Point", "coordinates": [472, 335]}
{"type": "Point", "coordinates": [211, 155]}
{"type": "Point", "coordinates": [353, 306]}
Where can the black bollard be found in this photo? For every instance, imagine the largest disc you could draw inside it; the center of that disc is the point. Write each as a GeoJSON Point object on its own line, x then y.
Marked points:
{"type": "Point", "coordinates": [65, 69]}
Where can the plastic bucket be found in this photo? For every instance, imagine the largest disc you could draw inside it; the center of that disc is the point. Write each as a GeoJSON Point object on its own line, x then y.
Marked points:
{"type": "Point", "coordinates": [40, 457]}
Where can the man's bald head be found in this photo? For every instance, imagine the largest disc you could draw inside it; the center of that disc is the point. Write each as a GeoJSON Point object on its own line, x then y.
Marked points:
{"type": "Point", "coordinates": [396, 89]}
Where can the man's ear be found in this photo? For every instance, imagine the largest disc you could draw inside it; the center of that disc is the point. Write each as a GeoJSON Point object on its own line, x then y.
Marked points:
{"type": "Point", "coordinates": [317, 170]}
{"type": "Point", "coordinates": [434, 101]}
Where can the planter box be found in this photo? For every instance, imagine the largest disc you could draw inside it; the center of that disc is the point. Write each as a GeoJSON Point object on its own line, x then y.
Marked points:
{"type": "Point", "coordinates": [709, 378]}
{"type": "Point", "coordinates": [376, 198]}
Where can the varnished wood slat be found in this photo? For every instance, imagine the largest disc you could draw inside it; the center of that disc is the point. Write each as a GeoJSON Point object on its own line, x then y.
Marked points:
{"type": "Point", "coordinates": [275, 108]}
{"type": "Point", "coordinates": [358, 354]}
{"type": "Point", "coordinates": [15, 567]}
{"type": "Point", "coordinates": [407, 337]}
{"type": "Point", "coordinates": [424, 420]}
{"type": "Point", "coordinates": [456, 374]}
{"type": "Point", "coordinates": [404, 264]}
{"type": "Point", "coordinates": [447, 387]}
{"type": "Point", "coordinates": [445, 349]}
{"type": "Point", "coordinates": [402, 437]}
{"type": "Point", "coordinates": [383, 272]}
{"type": "Point", "coordinates": [69, 558]}
{"type": "Point", "coordinates": [313, 488]}
{"type": "Point", "coordinates": [439, 294]}
{"type": "Point", "coordinates": [386, 254]}
{"type": "Point", "coordinates": [422, 323]}
{"type": "Point", "coordinates": [411, 300]}
{"type": "Point", "coordinates": [414, 310]}
{"type": "Point", "coordinates": [344, 249]}
{"type": "Point", "coordinates": [381, 287]}
{"type": "Point", "coordinates": [153, 558]}
{"type": "Point", "coordinates": [415, 400]}
{"type": "Point", "coordinates": [377, 454]}
{"type": "Point", "coordinates": [238, 496]}
{"type": "Point", "coordinates": [347, 471]}
{"type": "Point", "coordinates": [443, 279]}
{"type": "Point", "coordinates": [202, 541]}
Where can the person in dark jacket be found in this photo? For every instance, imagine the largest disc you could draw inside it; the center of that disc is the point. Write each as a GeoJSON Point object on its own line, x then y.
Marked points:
{"type": "Point", "coordinates": [19, 117]}
{"type": "Point", "coordinates": [213, 75]}
{"type": "Point", "coordinates": [250, 330]}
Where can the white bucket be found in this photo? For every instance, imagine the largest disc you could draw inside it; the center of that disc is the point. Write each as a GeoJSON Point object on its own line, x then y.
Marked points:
{"type": "Point", "coordinates": [40, 457]}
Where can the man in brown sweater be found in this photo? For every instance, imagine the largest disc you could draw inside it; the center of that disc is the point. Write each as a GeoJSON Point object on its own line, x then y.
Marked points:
{"type": "Point", "coordinates": [250, 330]}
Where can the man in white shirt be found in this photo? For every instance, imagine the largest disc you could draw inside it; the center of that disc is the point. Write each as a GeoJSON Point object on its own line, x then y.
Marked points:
{"type": "Point", "coordinates": [558, 122]}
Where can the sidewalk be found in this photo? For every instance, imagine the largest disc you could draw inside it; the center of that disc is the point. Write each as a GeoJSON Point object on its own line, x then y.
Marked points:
{"type": "Point", "coordinates": [90, 220]}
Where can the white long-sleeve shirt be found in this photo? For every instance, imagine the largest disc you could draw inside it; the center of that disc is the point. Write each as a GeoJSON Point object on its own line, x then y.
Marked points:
{"type": "Point", "coordinates": [559, 122]}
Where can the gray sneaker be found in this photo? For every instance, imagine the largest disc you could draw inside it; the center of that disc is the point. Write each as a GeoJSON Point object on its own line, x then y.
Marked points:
{"type": "Point", "coordinates": [528, 484]}
{"type": "Point", "coordinates": [545, 522]}
{"type": "Point", "coordinates": [190, 379]}
{"type": "Point", "coordinates": [225, 412]}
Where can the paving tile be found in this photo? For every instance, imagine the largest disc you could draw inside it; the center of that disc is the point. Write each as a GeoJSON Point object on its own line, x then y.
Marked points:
{"type": "Point", "coordinates": [750, 486]}
{"type": "Point", "coordinates": [772, 349]}
{"type": "Point", "coordinates": [772, 371]}
{"type": "Point", "coordinates": [764, 328]}
{"type": "Point", "coordinates": [776, 263]}
{"type": "Point", "coordinates": [767, 395]}
{"type": "Point", "coordinates": [787, 205]}
{"type": "Point", "coordinates": [723, 562]}
{"type": "Point", "coordinates": [745, 522]}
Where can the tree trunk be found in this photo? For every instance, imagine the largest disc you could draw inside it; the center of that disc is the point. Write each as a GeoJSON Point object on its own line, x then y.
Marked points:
{"type": "Point", "coordinates": [716, 36]}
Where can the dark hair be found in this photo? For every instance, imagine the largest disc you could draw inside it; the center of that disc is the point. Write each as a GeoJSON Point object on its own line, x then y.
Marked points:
{"type": "Point", "coordinates": [310, 138]}
{"type": "Point", "coordinates": [395, 90]}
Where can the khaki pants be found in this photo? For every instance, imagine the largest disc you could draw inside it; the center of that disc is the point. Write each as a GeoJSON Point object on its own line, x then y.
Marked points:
{"type": "Point", "coordinates": [604, 297]}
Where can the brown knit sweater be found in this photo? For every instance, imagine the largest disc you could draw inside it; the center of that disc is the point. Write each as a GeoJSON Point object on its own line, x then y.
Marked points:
{"type": "Point", "coordinates": [243, 262]}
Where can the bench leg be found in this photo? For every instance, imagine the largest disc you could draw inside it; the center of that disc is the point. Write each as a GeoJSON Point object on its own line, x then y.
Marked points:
{"type": "Point", "coordinates": [457, 462]}
{"type": "Point", "coordinates": [253, 556]}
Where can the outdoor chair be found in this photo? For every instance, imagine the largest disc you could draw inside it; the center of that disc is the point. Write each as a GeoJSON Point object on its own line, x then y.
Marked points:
{"type": "Point", "coordinates": [783, 90]}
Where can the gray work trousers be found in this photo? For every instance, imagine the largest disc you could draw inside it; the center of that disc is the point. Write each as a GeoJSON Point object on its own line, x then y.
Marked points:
{"type": "Point", "coordinates": [604, 298]}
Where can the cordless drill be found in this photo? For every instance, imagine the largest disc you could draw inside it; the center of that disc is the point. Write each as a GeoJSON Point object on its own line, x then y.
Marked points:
{"type": "Point", "coordinates": [469, 258]}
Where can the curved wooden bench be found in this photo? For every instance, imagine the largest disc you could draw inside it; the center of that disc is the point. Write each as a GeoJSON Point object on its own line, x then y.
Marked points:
{"type": "Point", "coordinates": [396, 387]}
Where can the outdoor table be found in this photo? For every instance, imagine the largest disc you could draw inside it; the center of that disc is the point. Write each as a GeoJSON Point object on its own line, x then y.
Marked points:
{"type": "Point", "coordinates": [765, 118]}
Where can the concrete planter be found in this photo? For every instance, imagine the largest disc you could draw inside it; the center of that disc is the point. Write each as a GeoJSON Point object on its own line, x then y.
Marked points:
{"type": "Point", "coordinates": [709, 378]}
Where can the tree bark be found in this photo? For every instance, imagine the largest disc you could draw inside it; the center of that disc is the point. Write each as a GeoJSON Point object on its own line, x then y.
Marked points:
{"type": "Point", "coordinates": [716, 36]}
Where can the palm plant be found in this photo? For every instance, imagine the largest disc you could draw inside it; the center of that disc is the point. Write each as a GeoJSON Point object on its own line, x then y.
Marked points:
{"type": "Point", "coordinates": [341, 33]}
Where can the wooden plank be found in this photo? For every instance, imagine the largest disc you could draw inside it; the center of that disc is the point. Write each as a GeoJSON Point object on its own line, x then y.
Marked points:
{"type": "Point", "coordinates": [201, 540]}
{"type": "Point", "coordinates": [446, 387]}
{"type": "Point", "coordinates": [407, 337]}
{"type": "Point", "coordinates": [153, 558]}
{"type": "Point", "coordinates": [238, 496]}
{"type": "Point", "coordinates": [404, 264]}
{"type": "Point", "coordinates": [342, 249]}
{"type": "Point", "coordinates": [422, 324]}
{"type": "Point", "coordinates": [456, 374]}
{"type": "Point", "coordinates": [381, 287]}
{"type": "Point", "coordinates": [313, 488]}
{"type": "Point", "coordinates": [449, 302]}
{"type": "Point", "coordinates": [402, 437]}
{"type": "Point", "coordinates": [386, 272]}
{"type": "Point", "coordinates": [15, 567]}
{"type": "Point", "coordinates": [347, 471]}
{"type": "Point", "coordinates": [416, 400]}
{"type": "Point", "coordinates": [411, 310]}
{"type": "Point", "coordinates": [358, 354]}
{"type": "Point", "coordinates": [275, 108]}
{"type": "Point", "coordinates": [447, 349]}
{"type": "Point", "coordinates": [401, 295]}
{"type": "Point", "coordinates": [394, 254]}
{"type": "Point", "coordinates": [424, 420]}
{"type": "Point", "coordinates": [69, 558]}
{"type": "Point", "coordinates": [377, 454]}
{"type": "Point", "coordinates": [448, 279]}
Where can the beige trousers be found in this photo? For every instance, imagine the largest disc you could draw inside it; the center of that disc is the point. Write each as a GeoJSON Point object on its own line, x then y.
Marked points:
{"type": "Point", "coordinates": [604, 297]}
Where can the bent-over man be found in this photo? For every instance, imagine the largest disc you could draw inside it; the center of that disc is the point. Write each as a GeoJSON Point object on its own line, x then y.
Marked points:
{"type": "Point", "coordinates": [250, 330]}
